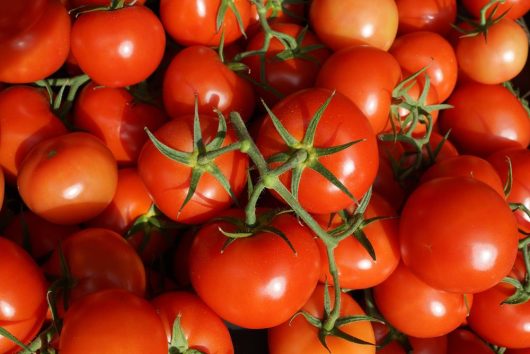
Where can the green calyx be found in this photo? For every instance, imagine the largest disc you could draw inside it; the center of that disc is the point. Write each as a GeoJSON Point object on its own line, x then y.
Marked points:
{"type": "Point", "coordinates": [481, 26]}
{"type": "Point", "coordinates": [179, 342]}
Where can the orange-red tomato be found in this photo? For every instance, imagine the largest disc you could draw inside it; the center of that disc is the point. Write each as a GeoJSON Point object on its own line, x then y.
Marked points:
{"type": "Point", "coordinates": [426, 15]}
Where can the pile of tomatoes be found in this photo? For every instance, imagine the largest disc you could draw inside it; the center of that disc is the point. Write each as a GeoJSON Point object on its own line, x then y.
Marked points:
{"type": "Point", "coordinates": [264, 176]}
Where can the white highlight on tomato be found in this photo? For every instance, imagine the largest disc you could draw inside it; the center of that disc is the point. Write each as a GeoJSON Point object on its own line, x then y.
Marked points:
{"type": "Point", "coordinates": [276, 287]}
{"type": "Point", "coordinates": [6, 309]}
{"type": "Point", "coordinates": [73, 191]}
{"type": "Point", "coordinates": [438, 309]}
{"type": "Point", "coordinates": [126, 49]}
{"type": "Point", "coordinates": [484, 256]}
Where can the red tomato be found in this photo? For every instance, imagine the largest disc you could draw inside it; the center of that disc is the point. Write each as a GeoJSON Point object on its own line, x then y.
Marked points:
{"type": "Point", "coordinates": [434, 345]}
{"type": "Point", "coordinates": [297, 336]}
{"type": "Point", "coordinates": [168, 181]}
{"type": "Point", "coordinates": [417, 309]}
{"type": "Point", "coordinates": [119, 320]}
{"type": "Point", "coordinates": [365, 75]}
{"type": "Point", "coordinates": [485, 119]}
{"type": "Point", "coordinates": [25, 120]}
{"type": "Point", "coordinates": [496, 57]}
{"type": "Point", "coordinates": [468, 237]}
{"type": "Point", "coordinates": [341, 123]}
{"type": "Point", "coordinates": [74, 4]}
{"type": "Point", "coordinates": [37, 44]}
{"type": "Point", "coordinates": [22, 295]}
{"type": "Point", "coordinates": [68, 179]}
{"type": "Point", "coordinates": [417, 50]}
{"type": "Point", "coordinates": [112, 115]}
{"type": "Point", "coordinates": [426, 15]}
{"type": "Point", "coordinates": [354, 22]}
{"type": "Point", "coordinates": [515, 8]}
{"type": "Point", "coordinates": [194, 22]}
{"type": "Point", "coordinates": [202, 328]}
{"type": "Point", "coordinates": [387, 186]}
{"type": "Point", "coordinates": [463, 341]}
{"type": "Point", "coordinates": [197, 72]}
{"type": "Point", "coordinates": [258, 281]}
{"type": "Point", "coordinates": [132, 50]}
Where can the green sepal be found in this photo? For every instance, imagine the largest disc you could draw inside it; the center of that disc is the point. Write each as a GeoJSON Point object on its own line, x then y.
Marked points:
{"type": "Point", "coordinates": [175, 155]}
{"type": "Point", "coordinates": [327, 174]}
{"type": "Point", "coordinates": [309, 136]}
{"type": "Point", "coordinates": [5, 333]}
{"type": "Point", "coordinates": [284, 134]}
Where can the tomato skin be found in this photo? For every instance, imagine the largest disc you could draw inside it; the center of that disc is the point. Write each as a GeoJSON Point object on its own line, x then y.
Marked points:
{"type": "Point", "coordinates": [68, 179]}
{"type": "Point", "coordinates": [25, 120]}
{"type": "Point", "coordinates": [297, 336]}
{"type": "Point", "coordinates": [494, 59]}
{"type": "Point", "coordinates": [132, 50]}
{"type": "Point", "coordinates": [17, 16]}
{"type": "Point", "coordinates": [341, 123]}
{"type": "Point", "coordinates": [426, 15]}
{"type": "Point", "coordinates": [24, 304]}
{"type": "Point", "coordinates": [194, 22]}
{"type": "Point", "coordinates": [203, 329]}
{"type": "Point", "coordinates": [39, 49]}
{"type": "Point", "coordinates": [468, 237]}
{"type": "Point", "coordinates": [256, 282]}
{"type": "Point", "coordinates": [110, 316]}
{"type": "Point", "coordinates": [463, 341]}
{"type": "Point", "coordinates": [354, 22]}
{"type": "Point", "coordinates": [198, 71]}
{"type": "Point", "coordinates": [517, 8]}
{"type": "Point", "coordinates": [434, 345]}
{"type": "Point", "coordinates": [365, 75]}
{"type": "Point", "coordinates": [112, 115]}
{"type": "Point", "coordinates": [484, 119]}
{"type": "Point", "coordinates": [416, 50]}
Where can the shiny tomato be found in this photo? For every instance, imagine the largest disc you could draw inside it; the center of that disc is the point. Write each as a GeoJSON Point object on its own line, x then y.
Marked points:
{"type": "Point", "coordinates": [515, 8]}
{"type": "Point", "coordinates": [37, 42]}
{"type": "Point", "coordinates": [132, 50]}
{"type": "Point", "coordinates": [121, 322]}
{"type": "Point", "coordinates": [68, 179]}
{"type": "Point", "coordinates": [22, 295]}
{"type": "Point", "coordinates": [341, 123]}
{"type": "Point", "coordinates": [297, 336]}
{"type": "Point", "coordinates": [112, 115]}
{"type": "Point", "coordinates": [365, 75]}
{"type": "Point", "coordinates": [194, 22]}
{"type": "Point", "coordinates": [257, 281]}
{"type": "Point", "coordinates": [197, 72]}
{"type": "Point", "coordinates": [484, 119]}
{"type": "Point", "coordinates": [341, 24]}
{"type": "Point", "coordinates": [25, 119]}
{"type": "Point", "coordinates": [426, 15]}
{"type": "Point", "coordinates": [463, 341]}
{"type": "Point", "coordinates": [468, 237]}
{"type": "Point", "coordinates": [202, 328]}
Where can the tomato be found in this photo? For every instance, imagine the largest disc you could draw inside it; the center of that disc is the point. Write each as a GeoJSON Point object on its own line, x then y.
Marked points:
{"type": "Point", "coordinates": [417, 309]}
{"type": "Point", "coordinates": [25, 120]}
{"type": "Point", "coordinates": [194, 22]}
{"type": "Point", "coordinates": [426, 15]}
{"type": "Point", "coordinates": [132, 50]}
{"type": "Point", "coordinates": [197, 72]}
{"type": "Point", "coordinates": [354, 22]}
{"type": "Point", "coordinates": [17, 16]}
{"type": "Point", "coordinates": [468, 237]}
{"type": "Point", "coordinates": [365, 75]}
{"type": "Point", "coordinates": [515, 8]}
{"type": "Point", "coordinates": [38, 44]}
{"type": "Point", "coordinates": [258, 281]}
{"type": "Point", "coordinates": [112, 115]}
{"type": "Point", "coordinates": [121, 322]}
{"type": "Point", "coordinates": [434, 345]}
{"type": "Point", "coordinates": [463, 341]}
{"type": "Point", "coordinates": [168, 181]}
{"type": "Point", "coordinates": [485, 118]}
{"type": "Point", "coordinates": [341, 123]}
{"type": "Point", "coordinates": [496, 57]}
{"type": "Point", "coordinates": [387, 186]}
{"type": "Point", "coordinates": [68, 179]}
{"type": "Point", "coordinates": [285, 76]}
{"type": "Point", "coordinates": [297, 336]}
{"type": "Point", "coordinates": [22, 295]}
{"type": "Point", "coordinates": [202, 328]}
{"type": "Point", "coordinates": [417, 50]}
{"type": "Point", "coordinates": [357, 269]}
{"type": "Point", "coordinates": [75, 4]}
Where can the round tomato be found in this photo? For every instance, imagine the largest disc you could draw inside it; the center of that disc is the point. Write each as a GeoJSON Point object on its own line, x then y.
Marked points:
{"type": "Point", "coordinates": [426, 15]}
{"type": "Point", "coordinates": [17, 16]}
{"type": "Point", "coordinates": [463, 341]}
{"type": "Point", "coordinates": [514, 8]}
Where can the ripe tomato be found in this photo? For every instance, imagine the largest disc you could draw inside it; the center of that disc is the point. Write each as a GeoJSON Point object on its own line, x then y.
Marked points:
{"type": "Point", "coordinates": [515, 8]}
{"type": "Point", "coordinates": [341, 123]}
{"type": "Point", "coordinates": [468, 237]}
{"type": "Point", "coordinates": [354, 22]}
{"type": "Point", "coordinates": [426, 15]}
{"type": "Point", "coordinates": [112, 115]}
{"type": "Point", "coordinates": [68, 179]}
{"type": "Point", "coordinates": [258, 281]}
{"type": "Point", "coordinates": [485, 118]}
{"type": "Point", "coordinates": [297, 336]}
{"type": "Point", "coordinates": [197, 72]}
{"type": "Point", "coordinates": [365, 75]}
{"type": "Point", "coordinates": [25, 120]}
{"type": "Point", "coordinates": [434, 345]}
{"type": "Point", "coordinates": [194, 22]}
{"type": "Point", "coordinates": [202, 328]}
{"type": "Point", "coordinates": [121, 322]}
{"type": "Point", "coordinates": [37, 45]}
{"type": "Point", "coordinates": [463, 341]}
{"type": "Point", "coordinates": [132, 50]}
{"type": "Point", "coordinates": [22, 295]}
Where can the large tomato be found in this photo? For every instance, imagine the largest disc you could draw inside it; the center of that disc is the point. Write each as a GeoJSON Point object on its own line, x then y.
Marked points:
{"type": "Point", "coordinates": [515, 8]}
{"type": "Point", "coordinates": [426, 15]}
{"type": "Point", "coordinates": [258, 281]}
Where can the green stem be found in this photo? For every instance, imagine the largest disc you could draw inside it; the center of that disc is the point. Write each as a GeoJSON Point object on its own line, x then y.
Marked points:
{"type": "Point", "coordinates": [526, 257]}
{"type": "Point", "coordinates": [484, 10]}
{"type": "Point", "coordinates": [211, 155]}
{"type": "Point", "coordinates": [253, 151]}
{"type": "Point", "coordinates": [250, 209]}
{"type": "Point", "coordinates": [335, 312]}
